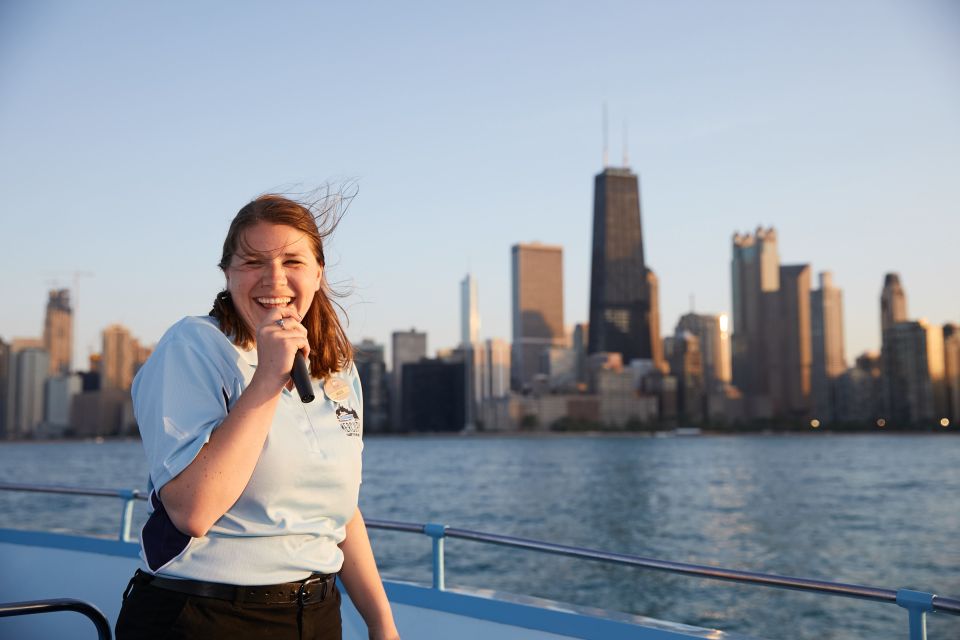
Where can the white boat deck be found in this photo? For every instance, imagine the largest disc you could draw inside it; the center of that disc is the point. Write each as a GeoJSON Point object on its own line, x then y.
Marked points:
{"type": "Point", "coordinates": [39, 566]}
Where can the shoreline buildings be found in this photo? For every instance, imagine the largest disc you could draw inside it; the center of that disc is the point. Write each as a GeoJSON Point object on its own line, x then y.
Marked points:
{"type": "Point", "coordinates": [779, 364]}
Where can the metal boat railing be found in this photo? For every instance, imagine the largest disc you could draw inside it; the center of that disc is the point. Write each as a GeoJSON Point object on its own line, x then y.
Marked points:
{"type": "Point", "coordinates": [60, 604]}
{"type": "Point", "coordinates": [916, 603]}
{"type": "Point", "coordinates": [129, 496]}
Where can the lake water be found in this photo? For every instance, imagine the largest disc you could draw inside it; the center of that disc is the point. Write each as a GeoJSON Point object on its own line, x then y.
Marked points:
{"type": "Point", "coordinates": [875, 510]}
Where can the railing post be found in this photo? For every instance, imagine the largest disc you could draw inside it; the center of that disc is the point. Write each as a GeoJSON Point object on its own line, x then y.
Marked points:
{"type": "Point", "coordinates": [129, 496]}
{"type": "Point", "coordinates": [917, 603]}
{"type": "Point", "coordinates": [437, 532]}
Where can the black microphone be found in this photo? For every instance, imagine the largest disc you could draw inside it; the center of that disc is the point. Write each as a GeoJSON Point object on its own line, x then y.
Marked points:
{"type": "Point", "coordinates": [301, 378]}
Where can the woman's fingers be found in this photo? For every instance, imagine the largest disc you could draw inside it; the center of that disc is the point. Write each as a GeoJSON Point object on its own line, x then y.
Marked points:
{"type": "Point", "coordinates": [279, 337]}
{"type": "Point", "coordinates": [292, 331]}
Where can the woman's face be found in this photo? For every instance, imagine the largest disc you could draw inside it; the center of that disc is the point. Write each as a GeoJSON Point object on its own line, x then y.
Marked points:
{"type": "Point", "coordinates": [277, 270]}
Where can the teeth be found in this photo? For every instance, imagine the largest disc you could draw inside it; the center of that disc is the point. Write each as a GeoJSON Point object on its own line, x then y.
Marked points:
{"type": "Point", "coordinates": [281, 301]}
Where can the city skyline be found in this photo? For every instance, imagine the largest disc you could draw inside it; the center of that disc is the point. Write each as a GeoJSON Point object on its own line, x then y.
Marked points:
{"type": "Point", "coordinates": [836, 361]}
{"type": "Point", "coordinates": [127, 155]}
{"type": "Point", "coordinates": [890, 280]}
{"type": "Point", "coordinates": [794, 364]}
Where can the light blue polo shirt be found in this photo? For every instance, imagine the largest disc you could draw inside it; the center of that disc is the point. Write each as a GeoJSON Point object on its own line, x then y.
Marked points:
{"type": "Point", "coordinates": [292, 514]}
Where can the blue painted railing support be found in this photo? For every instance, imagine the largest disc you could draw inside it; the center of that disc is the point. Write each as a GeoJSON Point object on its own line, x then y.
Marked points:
{"type": "Point", "coordinates": [437, 532]}
{"type": "Point", "coordinates": [917, 604]}
{"type": "Point", "coordinates": [129, 496]}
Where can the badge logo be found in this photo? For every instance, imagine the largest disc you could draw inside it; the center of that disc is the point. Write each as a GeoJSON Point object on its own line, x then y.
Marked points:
{"type": "Point", "coordinates": [349, 420]}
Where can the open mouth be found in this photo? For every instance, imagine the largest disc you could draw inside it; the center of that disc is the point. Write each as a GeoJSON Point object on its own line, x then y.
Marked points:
{"type": "Point", "coordinates": [274, 303]}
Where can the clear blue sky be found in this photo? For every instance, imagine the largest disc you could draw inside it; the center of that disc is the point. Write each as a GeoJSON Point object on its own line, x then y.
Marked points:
{"type": "Point", "coordinates": [130, 133]}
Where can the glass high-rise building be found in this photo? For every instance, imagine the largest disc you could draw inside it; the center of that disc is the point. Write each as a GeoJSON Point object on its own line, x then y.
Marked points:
{"type": "Point", "coordinates": [624, 314]}
{"type": "Point", "coordinates": [755, 280]}
{"type": "Point", "coordinates": [406, 347]}
{"type": "Point", "coordinates": [371, 367]}
{"type": "Point", "coordinates": [711, 331]}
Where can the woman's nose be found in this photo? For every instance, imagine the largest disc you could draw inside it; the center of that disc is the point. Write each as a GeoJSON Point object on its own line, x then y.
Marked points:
{"type": "Point", "coordinates": [273, 272]}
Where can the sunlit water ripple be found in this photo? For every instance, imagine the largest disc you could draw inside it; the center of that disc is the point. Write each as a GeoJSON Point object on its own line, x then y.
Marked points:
{"type": "Point", "coordinates": [875, 510]}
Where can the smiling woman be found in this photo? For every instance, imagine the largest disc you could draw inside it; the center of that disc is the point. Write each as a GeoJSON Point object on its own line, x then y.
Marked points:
{"type": "Point", "coordinates": [274, 232]}
{"type": "Point", "coordinates": [253, 493]}
{"type": "Point", "coordinates": [282, 274]}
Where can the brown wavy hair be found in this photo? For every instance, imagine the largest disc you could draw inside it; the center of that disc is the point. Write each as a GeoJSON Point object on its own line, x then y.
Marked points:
{"type": "Point", "coordinates": [330, 350]}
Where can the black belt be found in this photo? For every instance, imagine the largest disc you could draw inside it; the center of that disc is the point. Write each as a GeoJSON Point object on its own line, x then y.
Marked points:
{"type": "Point", "coordinates": [312, 589]}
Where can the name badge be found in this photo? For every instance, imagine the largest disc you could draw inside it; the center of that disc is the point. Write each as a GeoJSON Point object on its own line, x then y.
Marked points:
{"type": "Point", "coordinates": [336, 389]}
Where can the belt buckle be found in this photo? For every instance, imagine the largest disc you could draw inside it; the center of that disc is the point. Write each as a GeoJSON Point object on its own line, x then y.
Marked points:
{"type": "Point", "coordinates": [304, 595]}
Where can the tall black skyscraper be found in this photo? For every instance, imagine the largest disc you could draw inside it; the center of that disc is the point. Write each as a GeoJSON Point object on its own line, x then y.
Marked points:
{"type": "Point", "coordinates": [624, 314]}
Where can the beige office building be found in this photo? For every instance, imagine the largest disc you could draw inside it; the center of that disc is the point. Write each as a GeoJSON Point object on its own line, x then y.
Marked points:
{"type": "Point", "coordinates": [537, 271]}
{"type": "Point", "coordinates": [58, 331]}
{"type": "Point", "coordinates": [794, 357]}
{"type": "Point", "coordinates": [826, 329]}
{"type": "Point", "coordinates": [118, 359]}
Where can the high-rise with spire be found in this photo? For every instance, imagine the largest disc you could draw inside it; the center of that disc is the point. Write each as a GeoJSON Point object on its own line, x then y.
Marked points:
{"type": "Point", "coordinates": [893, 302]}
{"type": "Point", "coordinates": [893, 312]}
{"type": "Point", "coordinates": [624, 313]}
{"type": "Point", "coordinates": [469, 312]}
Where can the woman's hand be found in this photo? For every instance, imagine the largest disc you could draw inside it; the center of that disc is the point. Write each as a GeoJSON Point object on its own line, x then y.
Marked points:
{"type": "Point", "coordinates": [276, 347]}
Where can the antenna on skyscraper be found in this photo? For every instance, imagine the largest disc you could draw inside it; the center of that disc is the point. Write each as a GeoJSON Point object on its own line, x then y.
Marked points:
{"type": "Point", "coordinates": [606, 159]}
{"type": "Point", "coordinates": [626, 161]}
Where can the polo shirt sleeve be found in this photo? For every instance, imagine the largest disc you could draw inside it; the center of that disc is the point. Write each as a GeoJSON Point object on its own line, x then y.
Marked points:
{"type": "Point", "coordinates": [179, 397]}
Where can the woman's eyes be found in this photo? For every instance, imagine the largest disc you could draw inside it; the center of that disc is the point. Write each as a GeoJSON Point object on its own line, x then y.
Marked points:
{"type": "Point", "coordinates": [260, 263]}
